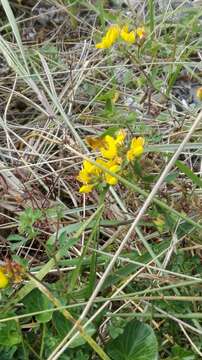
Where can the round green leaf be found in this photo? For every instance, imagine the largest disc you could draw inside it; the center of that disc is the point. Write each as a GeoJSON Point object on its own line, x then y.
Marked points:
{"type": "Point", "coordinates": [138, 342]}
{"type": "Point", "coordinates": [36, 301]}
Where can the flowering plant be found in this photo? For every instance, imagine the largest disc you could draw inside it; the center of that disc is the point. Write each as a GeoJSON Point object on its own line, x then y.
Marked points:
{"type": "Point", "coordinates": [116, 32]}
{"type": "Point", "coordinates": [114, 156]}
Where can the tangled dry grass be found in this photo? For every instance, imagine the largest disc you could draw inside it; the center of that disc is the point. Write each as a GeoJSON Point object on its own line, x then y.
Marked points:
{"type": "Point", "coordinates": [139, 253]}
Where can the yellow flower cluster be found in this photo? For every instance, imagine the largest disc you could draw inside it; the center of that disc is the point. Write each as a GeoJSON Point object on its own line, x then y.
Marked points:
{"type": "Point", "coordinates": [113, 153]}
{"type": "Point", "coordinates": [115, 32]}
{"type": "Point", "coordinates": [110, 38]}
{"type": "Point", "coordinates": [91, 175]}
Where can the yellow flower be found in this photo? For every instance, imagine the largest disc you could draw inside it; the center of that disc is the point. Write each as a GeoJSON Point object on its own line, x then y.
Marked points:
{"type": "Point", "coordinates": [111, 180]}
{"type": "Point", "coordinates": [110, 38]}
{"type": "Point", "coordinates": [88, 176]}
{"type": "Point", "coordinates": [136, 148]}
{"type": "Point", "coordinates": [88, 167]}
{"type": "Point", "coordinates": [91, 175]}
{"type": "Point", "coordinates": [114, 32]}
{"type": "Point", "coordinates": [127, 36]}
{"type": "Point", "coordinates": [3, 279]}
{"type": "Point", "coordinates": [111, 166]}
{"type": "Point", "coordinates": [109, 150]}
{"type": "Point", "coordinates": [83, 177]}
{"type": "Point", "coordinates": [86, 188]}
{"type": "Point", "coordinates": [89, 170]}
{"type": "Point", "coordinates": [199, 93]}
{"type": "Point", "coordinates": [120, 137]}
{"type": "Point", "coordinates": [141, 32]}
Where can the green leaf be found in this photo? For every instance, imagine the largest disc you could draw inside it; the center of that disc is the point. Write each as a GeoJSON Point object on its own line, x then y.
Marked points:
{"type": "Point", "coordinates": [21, 261]}
{"type": "Point", "coordinates": [26, 222]}
{"type": "Point", "coordinates": [115, 332]}
{"type": "Point", "coordinates": [61, 235]}
{"type": "Point", "coordinates": [7, 353]}
{"type": "Point", "coordinates": [187, 171]}
{"type": "Point", "coordinates": [181, 353]}
{"type": "Point", "coordinates": [16, 241]}
{"type": "Point", "coordinates": [10, 334]}
{"type": "Point", "coordinates": [16, 238]}
{"type": "Point", "coordinates": [110, 131]}
{"type": "Point", "coordinates": [171, 177]}
{"type": "Point", "coordinates": [63, 326]}
{"type": "Point", "coordinates": [137, 168]}
{"type": "Point", "coordinates": [138, 342]}
{"type": "Point", "coordinates": [36, 301]}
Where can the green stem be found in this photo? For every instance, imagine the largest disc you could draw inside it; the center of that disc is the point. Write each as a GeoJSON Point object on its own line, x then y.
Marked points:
{"type": "Point", "coordinates": [32, 350]}
{"type": "Point", "coordinates": [42, 340]}
{"type": "Point", "coordinates": [151, 315]}
{"type": "Point", "coordinates": [75, 273]}
{"type": "Point", "coordinates": [95, 238]}
{"type": "Point", "coordinates": [151, 16]}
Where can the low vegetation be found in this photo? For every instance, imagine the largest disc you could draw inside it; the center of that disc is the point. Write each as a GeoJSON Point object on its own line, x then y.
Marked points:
{"type": "Point", "coordinates": [100, 180]}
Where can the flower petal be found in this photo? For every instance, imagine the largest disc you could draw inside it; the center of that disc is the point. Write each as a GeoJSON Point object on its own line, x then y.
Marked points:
{"type": "Point", "coordinates": [109, 151]}
{"type": "Point", "coordinates": [136, 148]}
{"type": "Point", "coordinates": [120, 137]}
{"type": "Point", "coordinates": [111, 180]}
{"type": "Point", "coordinates": [127, 36]}
{"type": "Point", "coordinates": [130, 155]}
{"type": "Point", "coordinates": [86, 188]}
{"type": "Point", "coordinates": [83, 177]}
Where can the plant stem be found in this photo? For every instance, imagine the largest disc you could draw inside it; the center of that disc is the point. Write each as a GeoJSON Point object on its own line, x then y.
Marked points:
{"type": "Point", "coordinates": [151, 315]}
{"type": "Point", "coordinates": [151, 16]}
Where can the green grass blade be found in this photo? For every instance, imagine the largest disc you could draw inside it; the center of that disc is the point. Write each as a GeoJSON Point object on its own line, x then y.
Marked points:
{"type": "Point", "coordinates": [189, 173]}
{"type": "Point", "coordinates": [13, 24]}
